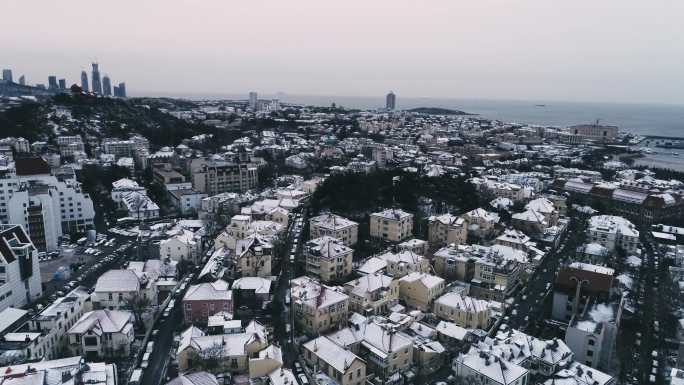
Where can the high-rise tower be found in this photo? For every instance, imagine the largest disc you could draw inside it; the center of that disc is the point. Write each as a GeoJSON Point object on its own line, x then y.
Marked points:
{"type": "Point", "coordinates": [84, 81]}
{"type": "Point", "coordinates": [97, 85]}
{"type": "Point", "coordinates": [7, 75]}
{"type": "Point", "coordinates": [106, 86]}
{"type": "Point", "coordinates": [391, 101]}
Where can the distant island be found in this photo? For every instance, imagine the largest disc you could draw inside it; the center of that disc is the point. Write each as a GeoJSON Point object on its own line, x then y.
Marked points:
{"type": "Point", "coordinates": [438, 111]}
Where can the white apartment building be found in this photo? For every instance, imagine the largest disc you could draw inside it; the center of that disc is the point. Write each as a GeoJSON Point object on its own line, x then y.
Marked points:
{"type": "Point", "coordinates": [54, 321]}
{"type": "Point", "coordinates": [612, 231]}
{"type": "Point", "coordinates": [46, 205]}
{"type": "Point", "coordinates": [20, 282]}
{"type": "Point", "coordinates": [393, 225]}
{"type": "Point", "coordinates": [335, 226]}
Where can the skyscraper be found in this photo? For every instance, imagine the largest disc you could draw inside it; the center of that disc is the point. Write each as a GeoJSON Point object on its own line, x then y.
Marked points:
{"type": "Point", "coordinates": [391, 101]}
{"type": "Point", "coordinates": [122, 90]}
{"type": "Point", "coordinates": [52, 82]}
{"type": "Point", "coordinates": [62, 84]}
{"type": "Point", "coordinates": [253, 100]}
{"type": "Point", "coordinates": [22, 80]}
{"type": "Point", "coordinates": [97, 86]}
{"type": "Point", "coordinates": [84, 81]}
{"type": "Point", "coordinates": [106, 86]}
{"type": "Point", "coordinates": [7, 75]}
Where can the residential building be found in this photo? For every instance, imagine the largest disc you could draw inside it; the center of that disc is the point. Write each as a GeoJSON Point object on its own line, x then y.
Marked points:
{"type": "Point", "coordinates": [447, 229]}
{"type": "Point", "coordinates": [139, 206]}
{"type": "Point", "coordinates": [102, 333]}
{"type": "Point", "coordinates": [115, 289]}
{"type": "Point", "coordinates": [481, 223]}
{"type": "Point", "coordinates": [187, 201]}
{"type": "Point", "coordinates": [215, 177]}
{"type": "Point", "coordinates": [183, 246]}
{"type": "Point", "coordinates": [392, 225]}
{"type": "Point", "coordinates": [47, 206]}
{"type": "Point", "coordinates": [372, 294]}
{"type": "Point", "coordinates": [253, 257]}
{"type": "Point", "coordinates": [335, 226]}
{"type": "Point", "coordinates": [477, 366]}
{"type": "Point", "coordinates": [388, 353]}
{"type": "Point", "coordinates": [203, 300]}
{"type": "Point", "coordinates": [464, 311]}
{"type": "Point", "coordinates": [592, 334]}
{"type": "Point", "coordinates": [54, 321]}
{"type": "Point", "coordinates": [613, 232]}
{"type": "Point", "coordinates": [328, 259]}
{"type": "Point", "coordinates": [231, 351]}
{"type": "Point", "coordinates": [20, 282]}
{"type": "Point", "coordinates": [122, 187]}
{"type": "Point", "coordinates": [318, 308]}
{"type": "Point", "coordinates": [419, 290]}
{"type": "Point", "coordinates": [344, 367]}
{"type": "Point", "coordinates": [64, 371]}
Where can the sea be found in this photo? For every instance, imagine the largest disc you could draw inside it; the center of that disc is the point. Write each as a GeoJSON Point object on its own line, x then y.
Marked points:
{"type": "Point", "coordinates": [641, 119]}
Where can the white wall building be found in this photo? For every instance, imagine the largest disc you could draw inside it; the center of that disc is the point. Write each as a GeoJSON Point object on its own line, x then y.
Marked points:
{"type": "Point", "coordinates": [20, 282]}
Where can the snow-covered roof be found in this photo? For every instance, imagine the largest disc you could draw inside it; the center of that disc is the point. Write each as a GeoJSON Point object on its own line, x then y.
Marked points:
{"type": "Point", "coordinates": [118, 280]}
{"type": "Point", "coordinates": [331, 353]}
{"type": "Point", "coordinates": [216, 291]}
{"type": "Point", "coordinates": [103, 321]}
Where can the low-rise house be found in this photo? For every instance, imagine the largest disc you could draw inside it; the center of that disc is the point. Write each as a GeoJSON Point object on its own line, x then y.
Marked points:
{"type": "Point", "coordinates": [195, 378]}
{"type": "Point", "coordinates": [116, 289]}
{"type": "Point", "coordinates": [447, 229]}
{"type": "Point", "coordinates": [229, 352]}
{"type": "Point", "coordinates": [419, 290]}
{"type": "Point", "coordinates": [186, 201]}
{"type": "Point", "coordinates": [392, 225]}
{"type": "Point", "coordinates": [481, 223]}
{"type": "Point", "coordinates": [253, 256]}
{"type": "Point", "coordinates": [183, 246]}
{"type": "Point", "coordinates": [387, 352]}
{"type": "Point", "coordinates": [344, 367]}
{"type": "Point", "coordinates": [482, 367]}
{"type": "Point", "coordinates": [464, 311]}
{"type": "Point", "coordinates": [372, 294]}
{"type": "Point", "coordinates": [102, 333]}
{"type": "Point", "coordinates": [334, 226]}
{"type": "Point", "coordinates": [328, 259]}
{"type": "Point", "coordinates": [267, 361]}
{"type": "Point", "coordinates": [139, 206]}
{"type": "Point", "coordinates": [318, 308]}
{"type": "Point", "coordinates": [404, 262]}
{"type": "Point", "coordinates": [206, 299]}
{"type": "Point", "coordinates": [254, 292]}
{"type": "Point", "coordinates": [415, 245]}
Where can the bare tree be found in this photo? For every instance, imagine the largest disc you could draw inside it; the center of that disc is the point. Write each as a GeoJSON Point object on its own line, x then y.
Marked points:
{"type": "Point", "coordinates": [138, 305]}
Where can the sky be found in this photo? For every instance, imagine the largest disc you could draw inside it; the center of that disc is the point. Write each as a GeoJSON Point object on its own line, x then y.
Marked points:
{"type": "Point", "coordinates": [582, 50]}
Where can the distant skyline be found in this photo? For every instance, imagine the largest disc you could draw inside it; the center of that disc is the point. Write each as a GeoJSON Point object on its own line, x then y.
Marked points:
{"type": "Point", "coordinates": [627, 51]}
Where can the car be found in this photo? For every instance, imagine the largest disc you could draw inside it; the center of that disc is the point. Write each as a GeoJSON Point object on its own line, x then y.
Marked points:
{"type": "Point", "coordinates": [166, 313]}
{"type": "Point", "coordinates": [150, 347]}
{"type": "Point", "coordinates": [155, 332]}
{"type": "Point", "coordinates": [302, 379]}
{"type": "Point", "coordinates": [298, 367]}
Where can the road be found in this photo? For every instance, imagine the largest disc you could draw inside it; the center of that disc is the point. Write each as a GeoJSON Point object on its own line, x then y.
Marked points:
{"type": "Point", "coordinates": [156, 371]}
{"type": "Point", "coordinates": [529, 309]}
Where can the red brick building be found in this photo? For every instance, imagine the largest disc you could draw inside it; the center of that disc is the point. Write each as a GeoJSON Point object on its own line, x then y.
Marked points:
{"type": "Point", "coordinates": [206, 299]}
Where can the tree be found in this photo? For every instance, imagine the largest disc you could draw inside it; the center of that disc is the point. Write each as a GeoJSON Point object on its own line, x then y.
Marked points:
{"type": "Point", "coordinates": [138, 304]}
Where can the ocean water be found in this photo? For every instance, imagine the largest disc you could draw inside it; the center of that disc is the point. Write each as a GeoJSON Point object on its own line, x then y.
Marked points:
{"type": "Point", "coordinates": [643, 119]}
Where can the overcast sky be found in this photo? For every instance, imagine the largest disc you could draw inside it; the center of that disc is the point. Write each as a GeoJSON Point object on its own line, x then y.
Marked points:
{"type": "Point", "coordinates": [579, 50]}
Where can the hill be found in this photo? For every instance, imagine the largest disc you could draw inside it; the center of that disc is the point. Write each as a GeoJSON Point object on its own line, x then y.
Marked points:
{"type": "Point", "coordinates": [438, 111]}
